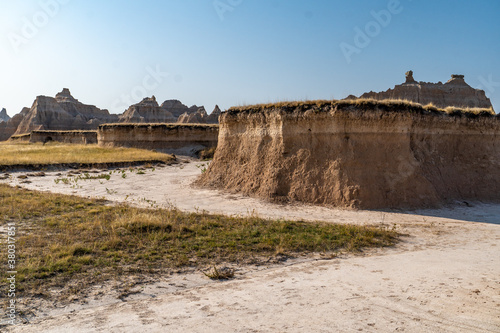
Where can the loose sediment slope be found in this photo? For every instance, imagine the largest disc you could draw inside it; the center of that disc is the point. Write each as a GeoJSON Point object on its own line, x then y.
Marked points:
{"type": "Point", "coordinates": [362, 154]}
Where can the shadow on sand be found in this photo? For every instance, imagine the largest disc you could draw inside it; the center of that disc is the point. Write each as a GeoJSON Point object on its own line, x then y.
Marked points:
{"type": "Point", "coordinates": [476, 212]}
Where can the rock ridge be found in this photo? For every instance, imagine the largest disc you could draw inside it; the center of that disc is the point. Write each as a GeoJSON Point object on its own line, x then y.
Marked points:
{"type": "Point", "coordinates": [455, 93]}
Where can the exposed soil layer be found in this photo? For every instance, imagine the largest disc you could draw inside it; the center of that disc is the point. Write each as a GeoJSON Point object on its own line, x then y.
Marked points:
{"type": "Point", "coordinates": [65, 166]}
{"type": "Point", "coordinates": [176, 138]}
{"type": "Point", "coordinates": [361, 154]}
{"type": "Point", "coordinates": [76, 137]}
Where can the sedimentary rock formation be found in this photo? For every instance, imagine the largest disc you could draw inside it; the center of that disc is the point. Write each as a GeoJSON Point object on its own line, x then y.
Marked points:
{"type": "Point", "coordinates": [147, 111]}
{"type": "Point", "coordinates": [171, 111]}
{"type": "Point", "coordinates": [185, 138]}
{"type": "Point", "coordinates": [213, 118]}
{"type": "Point", "coordinates": [176, 108]}
{"type": "Point", "coordinates": [201, 117]}
{"type": "Point", "coordinates": [20, 138]}
{"type": "Point", "coordinates": [76, 137]}
{"type": "Point", "coordinates": [358, 154]}
{"type": "Point", "coordinates": [8, 128]}
{"type": "Point", "coordinates": [63, 113]}
{"type": "Point", "coordinates": [4, 116]}
{"type": "Point", "coordinates": [456, 92]}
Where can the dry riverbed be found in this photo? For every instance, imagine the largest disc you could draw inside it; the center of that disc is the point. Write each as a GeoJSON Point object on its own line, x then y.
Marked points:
{"type": "Point", "coordinates": [443, 277]}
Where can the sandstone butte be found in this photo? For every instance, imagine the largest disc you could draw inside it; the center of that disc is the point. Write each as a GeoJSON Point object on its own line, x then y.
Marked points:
{"type": "Point", "coordinates": [456, 92]}
{"type": "Point", "coordinates": [171, 111]}
{"type": "Point", "coordinates": [62, 113]}
{"type": "Point", "coordinates": [65, 113]}
{"type": "Point", "coordinates": [363, 154]}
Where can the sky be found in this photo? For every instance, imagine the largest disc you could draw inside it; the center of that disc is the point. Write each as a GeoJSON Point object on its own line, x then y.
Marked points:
{"type": "Point", "coordinates": [112, 53]}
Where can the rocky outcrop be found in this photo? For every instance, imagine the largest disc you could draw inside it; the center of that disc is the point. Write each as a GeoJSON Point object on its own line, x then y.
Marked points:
{"type": "Point", "coordinates": [213, 118]}
{"type": "Point", "coordinates": [74, 137]}
{"type": "Point", "coordinates": [20, 138]}
{"type": "Point", "coordinates": [171, 111]}
{"type": "Point", "coordinates": [198, 117]}
{"type": "Point", "coordinates": [456, 92]}
{"type": "Point", "coordinates": [176, 108]}
{"type": "Point", "coordinates": [65, 113]}
{"type": "Point", "coordinates": [201, 117]}
{"type": "Point", "coordinates": [8, 128]}
{"type": "Point", "coordinates": [62, 113]}
{"type": "Point", "coordinates": [368, 155]}
{"type": "Point", "coordinates": [185, 139]}
{"type": "Point", "coordinates": [147, 111]}
{"type": "Point", "coordinates": [4, 116]}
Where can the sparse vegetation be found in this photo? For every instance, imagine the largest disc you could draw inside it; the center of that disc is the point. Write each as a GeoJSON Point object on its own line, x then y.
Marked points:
{"type": "Point", "coordinates": [59, 153]}
{"type": "Point", "coordinates": [223, 273]}
{"type": "Point", "coordinates": [387, 105]}
{"type": "Point", "coordinates": [203, 167]}
{"type": "Point", "coordinates": [65, 239]}
{"type": "Point", "coordinates": [207, 153]}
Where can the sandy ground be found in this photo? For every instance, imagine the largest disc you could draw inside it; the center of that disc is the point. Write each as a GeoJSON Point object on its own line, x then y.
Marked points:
{"type": "Point", "coordinates": [443, 277]}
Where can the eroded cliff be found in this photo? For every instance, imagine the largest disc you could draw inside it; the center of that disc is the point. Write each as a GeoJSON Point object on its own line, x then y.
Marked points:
{"type": "Point", "coordinates": [177, 138]}
{"type": "Point", "coordinates": [362, 154]}
{"type": "Point", "coordinates": [9, 127]}
{"type": "Point", "coordinates": [456, 92]}
{"type": "Point", "coordinates": [62, 113]}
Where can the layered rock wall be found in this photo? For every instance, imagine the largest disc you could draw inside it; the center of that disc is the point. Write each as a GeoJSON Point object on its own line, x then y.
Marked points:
{"type": "Point", "coordinates": [65, 113]}
{"type": "Point", "coordinates": [158, 136]}
{"type": "Point", "coordinates": [171, 111]}
{"type": "Point", "coordinates": [456, 92]}
{"type": "Point", "coordinates": [20, 138]}
{"type": "Point", "coordinates": [75, 137]}
{"type": "Point", "coordinates": [8, 128]}
{"type": "Point", "coordinates": [363, 156]}
{"type": "Point", "coordinates": [62, 113]}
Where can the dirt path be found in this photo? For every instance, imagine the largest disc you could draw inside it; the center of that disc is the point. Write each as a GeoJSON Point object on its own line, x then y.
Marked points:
{"type": "Point", "coordinates": [444, 277]}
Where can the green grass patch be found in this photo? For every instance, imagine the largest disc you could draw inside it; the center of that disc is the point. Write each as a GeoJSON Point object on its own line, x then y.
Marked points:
{"type": "Point", "coordinates": [65, 238]}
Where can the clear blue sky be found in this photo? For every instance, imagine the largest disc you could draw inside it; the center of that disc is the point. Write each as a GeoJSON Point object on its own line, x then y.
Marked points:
{"type": "Point", "coordinates": [233, 52]}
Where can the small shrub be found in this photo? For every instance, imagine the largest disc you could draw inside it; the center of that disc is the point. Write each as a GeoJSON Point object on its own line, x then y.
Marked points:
{"type": "Point", "coordinates": [224, 273]}
{"type": "Point", "coordinates": [207, 153]}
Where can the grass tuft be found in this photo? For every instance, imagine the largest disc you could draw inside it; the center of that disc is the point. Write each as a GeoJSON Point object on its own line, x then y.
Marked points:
{"type": "Point", "coordinates": [224, 273]}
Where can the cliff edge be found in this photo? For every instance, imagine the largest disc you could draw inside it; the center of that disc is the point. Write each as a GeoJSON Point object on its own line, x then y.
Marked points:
{"type": "Point", "coordinates": [456, 92]}
{"type": "Point", "coordinates": [360, 154]}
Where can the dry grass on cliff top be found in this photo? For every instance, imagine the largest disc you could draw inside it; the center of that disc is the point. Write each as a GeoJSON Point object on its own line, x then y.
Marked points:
{"type": "Point", "coordinates": [393, 105]}
{"type": "Point", "coordinates": [160, 125]}
{"type": "Point", "coordinates": [70, 242]}
{"type": "Point", "coordinates": [59, 153]}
